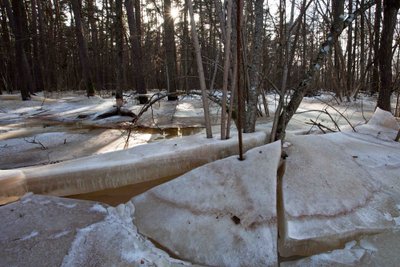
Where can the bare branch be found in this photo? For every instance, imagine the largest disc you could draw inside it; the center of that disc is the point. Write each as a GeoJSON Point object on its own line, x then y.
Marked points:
{"type": "Point", "coordinates": [36, 142]}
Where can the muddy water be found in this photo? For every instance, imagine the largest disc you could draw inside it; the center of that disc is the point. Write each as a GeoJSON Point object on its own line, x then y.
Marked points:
{"type": "Point", "coordinates": [116, 196]}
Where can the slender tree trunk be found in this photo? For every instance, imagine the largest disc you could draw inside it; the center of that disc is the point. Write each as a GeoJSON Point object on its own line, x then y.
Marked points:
{"type": "Point", "coordinates": [82, 46]}
{"type": "Point", "coordinates": [200, 70]}
{"type": "Point", "coordinates": [338, 13]}
{"type": "Point", "coordinates": [255, 68]}
{"type": "Point", "coordinates": [119, 39]}
{"type": "Point", "coordinates": [390, 10]}
{"type": "Point", "coordinates": [377, 30]}
{"type": "Point", "coordinates": [227, 59]}
{"type": "Point", "coordinates": [136, 48]}
{"type": "Point", "coordinates": [350, 77]}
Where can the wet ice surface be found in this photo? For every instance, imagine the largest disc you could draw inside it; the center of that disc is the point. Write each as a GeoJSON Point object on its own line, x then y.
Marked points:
{"type": "Point", "coordinates": [51, 231]}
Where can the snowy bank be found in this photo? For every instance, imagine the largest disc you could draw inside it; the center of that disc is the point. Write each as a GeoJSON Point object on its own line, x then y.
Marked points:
{"type": "Point", "coordinates": [340, 186]}
{"type": "Point", "coordinates": [143, 163]}
{"type": "Point", "coordinates": [220, 214]}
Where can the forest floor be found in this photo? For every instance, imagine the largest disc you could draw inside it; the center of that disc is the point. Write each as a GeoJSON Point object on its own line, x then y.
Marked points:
{"type": "Point", "coordinates": [63, 126]}
{"type": "Point", "coordinates": [336, 204]}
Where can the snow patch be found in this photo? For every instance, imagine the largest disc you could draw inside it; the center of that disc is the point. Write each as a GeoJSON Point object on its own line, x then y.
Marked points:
{"type": "Point", "coordinates": [365, 244]}
{"type": "Point", "coordinates": [388, 216]}
{"type": "Point", "coordinates": [68, 206]}
{"type": "Point", "coordinates": [60, 234]}
{"type": "Point", "coordinates": [98, 208]}
{"type": "Point", "coordinates": [31, 235]}
{"type": "Point", "coordinates": [350, 245]}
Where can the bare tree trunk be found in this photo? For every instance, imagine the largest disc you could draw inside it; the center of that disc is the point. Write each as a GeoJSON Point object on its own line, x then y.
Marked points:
{"type": "Point", "coordinates": [15, 15]}
{"type": "Point", "coordinates": [338, 13]}
{"type": "Point", "coordinates": [83, 50]}
{"type": "Point", "coordinates": [390, 10]}
{"type": "Point", "coordinates": [255, 68]}
{"type": "Point", "coordinates": [136, 48]}
{"type": "Point", "coordinates": [349, 83]}
{"type": "Point", "coordinates": [170, 51]}
{"type": "Point", "coordinates": [95, 43]}
{"type": "Point", "coordinates": [119, 40]}
{"type": "Point", "coordinates": [37, 64]}
{"type": "Point", "coordinates": [377, 27]}
{"type": "Point", "coordinates": [200, 71]}
{"type": "Point", "coordinates": [227, 59]}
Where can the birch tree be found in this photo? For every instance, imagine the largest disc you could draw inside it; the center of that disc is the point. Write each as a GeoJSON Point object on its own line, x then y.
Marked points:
{"type": "Point", "coordinates": [324, 50]}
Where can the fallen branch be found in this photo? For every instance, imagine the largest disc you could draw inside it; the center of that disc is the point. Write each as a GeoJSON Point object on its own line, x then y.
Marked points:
{"type": "Point", "coordinates": [34, 141]}
{"type": "Point", "coordinates": [320, 126]}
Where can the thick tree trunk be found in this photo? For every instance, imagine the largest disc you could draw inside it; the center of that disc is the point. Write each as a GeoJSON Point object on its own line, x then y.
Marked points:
{"type": "Point", "coordinates": [390, 10]}
{"type": "Point", "coordinates": [170, 51]}
{"type": "Point", "coordinates": [91, 8]}
{"type": "Point", "coordinates": [15, 15]}
{"type": "Point", "coordinates": [136, 48]}
{"type": "Point", "coordinates": [37, 63]}
{"type": "Point", "coordinates": [82, 46]}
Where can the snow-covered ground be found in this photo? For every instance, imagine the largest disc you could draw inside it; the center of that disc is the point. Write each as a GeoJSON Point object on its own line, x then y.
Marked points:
{"type": "Point", "coordinates": [46, 130]}
{"type": "Point", "coordinates": [335, 204]}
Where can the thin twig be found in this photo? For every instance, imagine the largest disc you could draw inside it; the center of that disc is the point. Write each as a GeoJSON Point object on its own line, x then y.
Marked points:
{"type": "Point", "coordinates": [34, 141]}
{"type": "Point", "coordinates": [321, 126]}
{"type": "Point", "coordinates": [340, 113]}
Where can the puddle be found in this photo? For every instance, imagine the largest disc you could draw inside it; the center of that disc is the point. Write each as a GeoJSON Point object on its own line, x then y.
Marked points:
{"type": "Point", "coordinates": [121, 195]}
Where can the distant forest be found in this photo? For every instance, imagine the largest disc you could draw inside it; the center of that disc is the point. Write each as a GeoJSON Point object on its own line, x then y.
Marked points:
{"type": "Point", "coordinates": [95, 45]}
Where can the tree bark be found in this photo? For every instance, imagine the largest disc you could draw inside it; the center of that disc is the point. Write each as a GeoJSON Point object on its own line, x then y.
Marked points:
{"type": "Point", "coordinates": [377, 30]}
{"type": "Point", "coordinates": [200, 71]}
{"type": "Point", "coordinates": [15, 15]}
{"type": "Point", "coordinates": [227, 59]}
{"type": "Point", "coordinates": [82, 46]}
{"type": "Point", "coordinates": [390, 10]}
{"type": "Point", "coordinates": [119, 40]}
{"type": "Point", "coordinates": [170, 51]}
{"type": "Point", "coordinates": [136, 49]}
{"type": "Point", "coordinates": [255, 68]}
{"type": "Point", "coordinates": [37, 63]}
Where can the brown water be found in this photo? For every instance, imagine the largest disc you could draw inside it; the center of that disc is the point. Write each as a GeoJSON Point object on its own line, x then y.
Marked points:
{"type": "Point", "coordinates": [116, 196]}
